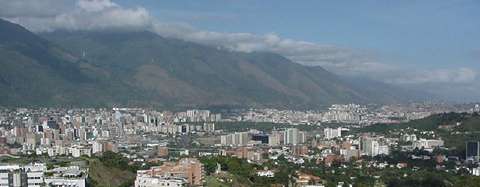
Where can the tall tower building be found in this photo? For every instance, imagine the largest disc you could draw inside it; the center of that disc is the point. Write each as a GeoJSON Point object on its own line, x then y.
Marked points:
{"type": "Point", "coordinates": [119, 122]}
{"type": "Point", "coordinates": [292, 136]}
{"type": "Point", "coordinates": [330, 133]}
{"type": "Point", "coordinates": [370, 146]}
{"type": "Point", "coordinates": [472, 150]}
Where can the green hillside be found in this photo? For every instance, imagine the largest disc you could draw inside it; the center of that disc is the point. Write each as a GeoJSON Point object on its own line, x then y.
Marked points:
{"type": "Point", "coordinates": [36, 72]}
{"type": "Point", "coordinates": [454, 137]}
{"type": "Point", "coordinates": [469, 122]}
{"type": "Point", "coordinates": [188, 73]}
{"type": "Point", "coordinates": [140, 68]}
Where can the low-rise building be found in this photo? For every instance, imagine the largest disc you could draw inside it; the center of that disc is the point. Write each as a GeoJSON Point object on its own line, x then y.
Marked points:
{"type": "Point", "coordinates": [189, 169]}
{"type": "Point", "coordinates": [427, 144]}
{"type": "Point", "coordinates": [71, 176]}
{"type": "Point", "coordinates": [143, 180]}
{"type": "Point", "coordinates": [28, 175]}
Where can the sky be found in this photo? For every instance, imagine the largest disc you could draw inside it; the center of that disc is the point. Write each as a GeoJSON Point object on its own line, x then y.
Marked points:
{"type": "Point", "coordinates": [431, 44]}
{"type": "Point", "coordinates": [420, 33]}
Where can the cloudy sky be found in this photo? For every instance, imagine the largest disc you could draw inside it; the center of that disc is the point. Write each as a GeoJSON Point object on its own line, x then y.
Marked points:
{"type": "Point", "coordinates": [431, 44]}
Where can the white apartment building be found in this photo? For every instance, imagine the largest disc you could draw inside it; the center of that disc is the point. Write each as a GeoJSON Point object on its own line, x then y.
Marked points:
{"type": "Point", "coordinates": [16, 175]}
{"type": "Point", "coordinates": [235, 139]}
{"type": "Point", "coordinates": [57, 150]}
{"type": "Point", "coordinates": [152, 181]}
{"type": "Point", "coordinates": [97, 147]}
{"type": "Point", "coordinates": [11, 176]}
{"type": "Point", "coordinates": [65, 182]}
{"type": "Point", "coordinates": [35, 174]}
{"type": "Point", "coordinates": [274, 139]}
{"type": "Point", "coordinates": [71, 176]}
{"type": "Point", "coordinates": [330, 133]}
{"type": "Point", "coordinates": [427, 144]}
{"type": "Point", "coordinates": [292, 136]}
{"type": "Point", "coordinates": [209, 127]}
{"type": "Point", "coordinates": [372, 147]}
{"type": "Point", "coordinates": [78, 151]}
{"type": "Point", "coordinates": [409, 137]}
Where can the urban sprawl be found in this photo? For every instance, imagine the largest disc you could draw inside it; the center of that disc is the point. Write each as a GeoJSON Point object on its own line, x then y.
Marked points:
{"type": "Point", "coordinates": [65, 147]}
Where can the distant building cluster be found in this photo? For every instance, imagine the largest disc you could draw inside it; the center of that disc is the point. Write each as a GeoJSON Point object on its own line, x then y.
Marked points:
{"type": "Point", "coordinates": [83, 132]}
{"type": "Point", "coordinates": [290, 136]}
{"type": "Point", "coordinates": [343, 113]}
{"type": "Point", "coordinates": [197, 116]}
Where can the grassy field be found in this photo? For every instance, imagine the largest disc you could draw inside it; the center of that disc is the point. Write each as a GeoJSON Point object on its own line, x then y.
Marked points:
{"type": "Point", "coordinates": [214, 182]}
{"type": "Point", "coordinates": [103, 176]}
{"type": "Point", "coordinates": [236, 181]}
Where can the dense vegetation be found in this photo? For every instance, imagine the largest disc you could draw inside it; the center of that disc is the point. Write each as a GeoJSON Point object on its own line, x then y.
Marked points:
{"type": "Point", "coordinates": [112, 169]}
{"type": "Point", "coordinates": [244, 174]}
{"type": "Point", "coordinates": [454, 135]}
{"type": "Point", "coordinates": [428, 123]}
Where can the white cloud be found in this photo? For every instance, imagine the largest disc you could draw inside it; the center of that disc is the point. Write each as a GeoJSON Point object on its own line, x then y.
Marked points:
{"type": "Point", "coordinates": [82, 15]}
{"type": "Point", "coordinates": [460, 75]}
{"type": "Point", "coordinates": [331, 57]}
{"type": "Point", "coordinates": [96, 5]}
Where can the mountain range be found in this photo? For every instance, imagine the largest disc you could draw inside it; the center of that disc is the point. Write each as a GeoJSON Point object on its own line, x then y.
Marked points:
{"type": "Point", "coordinates": [141, 68]}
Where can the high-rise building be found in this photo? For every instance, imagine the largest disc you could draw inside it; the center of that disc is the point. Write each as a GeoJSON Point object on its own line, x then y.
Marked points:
{"type": "Point", "coordinates": [371, 147]}
{"type": "Point", "coordinates": [235, 139]}
{"type": "Point", "coordinates": [274, 138]}
{"type": "Point", "coordinates": [198, 115]}
{"type": "Point", "coordinates": [349, 153]}
{"type": "Point", "coordinates": [185, 128]}
{"type": "Point", "coordinates": [330, 133]}
{"type": "Point", "coordinates": [472, 150]}
{"type": "Point", "coordinates": [52, 124]}
{"type": "Point", "coordinates": [12, 177]}
{"type": "Point", "coordinates": [262, 138]}
{"type": "Point", "coordinates": [225, 139]}
{"type": "Point", "coordinates": [292, 136]}
{"type": "Point", "coordinates": [119, 123]}
{"type": "Point", "coordinates": [241, 138]}
{"type": "Point", "coordinates": [301, 137]}
{"type": "Point", "coordinates": [209, 127]}
{"type": "Point", "coordinates": [97, 147]}
{"type": "Point", "coordinates": [374, 147]}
